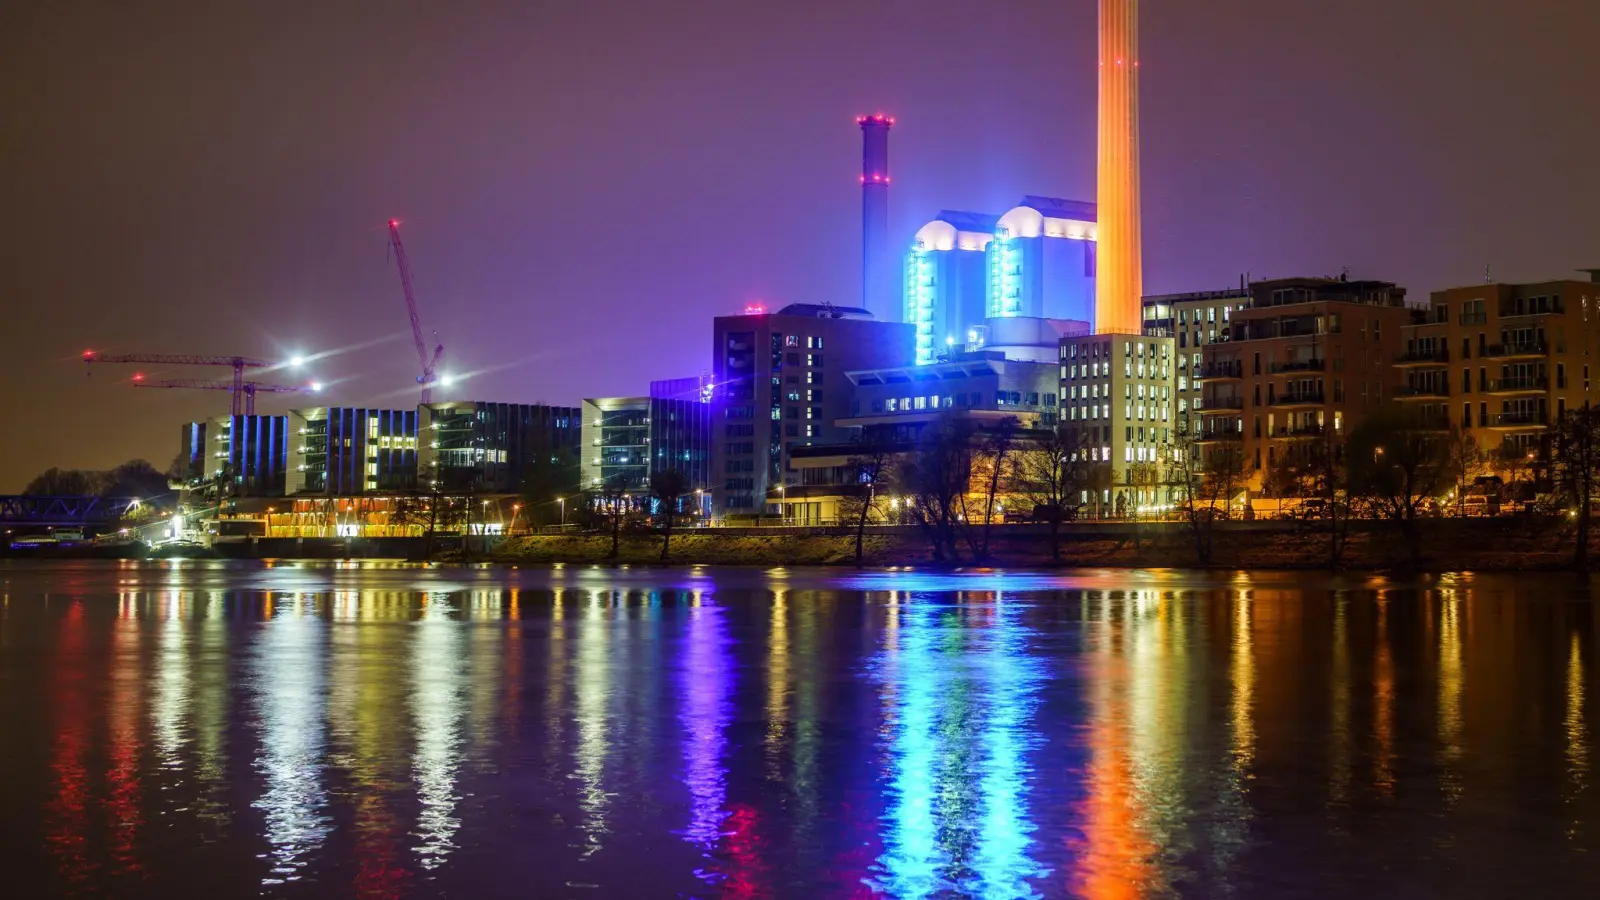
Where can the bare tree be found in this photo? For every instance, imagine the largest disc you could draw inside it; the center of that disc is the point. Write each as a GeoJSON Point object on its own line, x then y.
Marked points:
{"type": "Point", "coordinates": [937, 477]}
{"type": "Point", "coordinates": [1211, 473]}
{"type": "Point", "coordinates": [871, 467]}
{"type": "Point", "coordinates": [993, 457]}
{"type": "Point", "coordinates": [612, 503]}
{"type": "Point", "coordinates": [1052, 473]}
{"type": "Point", "coordinates": [1399, 464]}
{"type": "Point", "coordinates": [1468, 461]}
{"type": "Point", "coordinates": [433, 511]}
{"type": "Point", "coordinates": [1325, 477]}
{"type": "Point", "coordinates": [1575, 471]}
{"type": "Point", "coordinates": [668, 487]}
{"type": "Point", "coordinates": [1520, 466]}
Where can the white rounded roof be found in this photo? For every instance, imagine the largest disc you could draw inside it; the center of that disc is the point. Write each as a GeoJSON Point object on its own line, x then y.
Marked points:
{"type": "Point", "coordinates": [936, 235]}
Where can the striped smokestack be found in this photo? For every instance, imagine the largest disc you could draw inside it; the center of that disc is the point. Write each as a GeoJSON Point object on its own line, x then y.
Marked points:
{"type": "Point", "coordinates": [878, 292]}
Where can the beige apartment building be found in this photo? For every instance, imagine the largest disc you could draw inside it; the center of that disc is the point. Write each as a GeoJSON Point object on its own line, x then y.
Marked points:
{"type": "Point", "coordinates": [1193, 321]}
{"type": "Point", "coordinates": [1307, 357]}
{"type": "Point", "coordinates": [1502, 361]}
{"type": "Point", "coordinates": [1116, 394]}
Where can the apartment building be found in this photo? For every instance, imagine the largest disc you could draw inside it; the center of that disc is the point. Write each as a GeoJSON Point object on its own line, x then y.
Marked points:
{"type": "Point", "coordinates": [1117, 394]}
{"type": "Point", "coordinates": [1193, 321]}
{"type": "Point", "coordinates": [1502, 361]}
{"type": "Point", "coordinates": [1307, 356]}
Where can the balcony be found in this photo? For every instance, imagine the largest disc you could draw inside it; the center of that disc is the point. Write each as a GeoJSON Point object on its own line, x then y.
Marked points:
{"type": "Point", "coordinates": [1222, 369]}
{"type": "Point", "coordinates": [1222, 405]}
{"type": "Point", "coordinates": [1519, 350]}
{"type": "Point", "coordinates": [1552, 306]}
{"type": "Point", "coordinates": [1221, 435]}
{"type": "Point", "coordinates": [1297, 431]}
{"type": "Point", "coordinates": [1518, 420]}
{"type": "Point", "coordinates": [1424, 357]}
{"type": "Point", "coordinates": [1525, 385]}
{"type": "Point", "coordinates": [1422, 392]}
{"type": "Point", "coordinates": [1299, 365]}
{"type": "Point", "coordinates": [1299, 398]}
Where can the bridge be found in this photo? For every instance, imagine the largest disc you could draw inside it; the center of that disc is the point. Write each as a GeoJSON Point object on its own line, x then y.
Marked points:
{"type": "Point", "coordinates": [63, 511]}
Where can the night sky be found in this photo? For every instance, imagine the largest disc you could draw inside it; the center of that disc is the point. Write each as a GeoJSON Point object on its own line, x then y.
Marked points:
{"type": "Point", "coordinates": [584, 185]}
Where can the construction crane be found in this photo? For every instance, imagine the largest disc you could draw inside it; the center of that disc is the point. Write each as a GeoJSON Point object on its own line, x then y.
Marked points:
{"type": "Point", "coordinates": [247, 389]}
{"type": "Point", "coordinates": [429, 365]}
{"type": "Point", "coordinates": [237, 363]}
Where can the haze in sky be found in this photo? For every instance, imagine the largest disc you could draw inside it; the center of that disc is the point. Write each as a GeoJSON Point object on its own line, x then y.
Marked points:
{"type": "Point", "coordinates": [584, 185]}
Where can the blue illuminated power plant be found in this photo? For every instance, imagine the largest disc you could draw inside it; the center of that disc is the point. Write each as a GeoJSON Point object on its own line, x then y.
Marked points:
{"type": "Point", "coordinates": [966, 269]}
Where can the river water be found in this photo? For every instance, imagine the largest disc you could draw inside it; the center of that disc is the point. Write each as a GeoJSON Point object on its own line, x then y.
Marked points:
{"type": "Point", "coordinates": [211, 729]}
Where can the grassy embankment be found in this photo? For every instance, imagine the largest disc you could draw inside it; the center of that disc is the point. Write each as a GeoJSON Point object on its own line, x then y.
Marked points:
{"type": "Point", "coordinates": [1447, 545]}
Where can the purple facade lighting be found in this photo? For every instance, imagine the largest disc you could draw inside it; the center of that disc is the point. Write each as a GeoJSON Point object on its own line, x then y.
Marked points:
{"type": "Point", "coordinates": [879, 294]}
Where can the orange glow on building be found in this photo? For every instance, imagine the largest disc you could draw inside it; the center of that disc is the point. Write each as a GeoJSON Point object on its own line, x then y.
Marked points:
{"type": "Point", "coordinates": [1119, 266]}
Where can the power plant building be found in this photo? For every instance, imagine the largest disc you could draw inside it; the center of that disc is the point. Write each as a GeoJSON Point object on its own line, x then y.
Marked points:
{"type": "Point", "coordinates": [1119, 286]}
{"type": "Point", "coordinates": [879, 291]}
{"type": "Point", "coordinates": [966, 271]}
{"type": "Point", "coordinates": [780, 384]}
{"type": "Point", "coordinates": [347, 451]}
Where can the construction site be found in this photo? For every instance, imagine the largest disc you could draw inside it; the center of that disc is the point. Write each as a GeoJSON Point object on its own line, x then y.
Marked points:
{"type": "Point", "coordinates": [338, 473]}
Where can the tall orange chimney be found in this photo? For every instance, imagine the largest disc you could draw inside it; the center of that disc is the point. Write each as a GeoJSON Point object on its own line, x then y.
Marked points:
{"type": "Point", "coordinates": [1119, 272]}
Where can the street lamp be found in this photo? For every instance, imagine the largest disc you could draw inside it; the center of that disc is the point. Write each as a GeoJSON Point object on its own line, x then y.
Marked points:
{"type": "Point", "coordinates": [563, 502]}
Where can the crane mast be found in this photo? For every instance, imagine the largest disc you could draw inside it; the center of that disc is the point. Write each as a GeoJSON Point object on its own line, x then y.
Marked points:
{"type": "Point", "coordinates": [429, 365]}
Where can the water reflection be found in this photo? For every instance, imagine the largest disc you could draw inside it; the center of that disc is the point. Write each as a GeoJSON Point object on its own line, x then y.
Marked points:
{"type": "Point", "coordinates": [124, 810]}
{"type": "Point", "coordinates": [961, 730]}
{"type": "Point", "coordinates": [704, 686]}
{"type": "Point", "coordinates": [436, 710]}
{"type": "Point", "coordinates": [290, 693]}
{"type": "Point", "coordinates": [399, 732]}
{"type": "Point", "coordinates": [1577, 737]}
{"type": "Point", "coordinates": [370, 741]}
{"type": "Point", "coordinates": [592, 686]}
{"type": "Point", "coordinates": [67, 810]}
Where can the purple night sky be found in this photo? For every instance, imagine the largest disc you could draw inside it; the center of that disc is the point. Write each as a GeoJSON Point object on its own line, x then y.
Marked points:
{"type": "Point", "coordinates": [584, 185]}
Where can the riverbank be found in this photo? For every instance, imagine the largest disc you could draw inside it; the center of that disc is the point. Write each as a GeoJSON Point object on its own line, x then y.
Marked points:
{"type": "Point", "coordinates": [1488, 544]}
